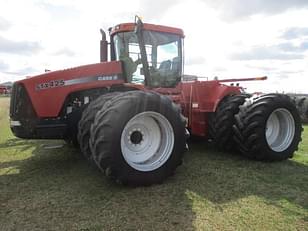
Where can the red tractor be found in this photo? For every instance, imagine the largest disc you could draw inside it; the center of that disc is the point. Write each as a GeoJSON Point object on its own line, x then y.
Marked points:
{"type": "Point", "coordinates": [132, 115]}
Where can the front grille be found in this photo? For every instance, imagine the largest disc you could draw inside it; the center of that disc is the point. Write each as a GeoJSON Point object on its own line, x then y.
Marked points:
{"type": "Point", "coordinates": [13, 99]}
{"type": "Point", "coordinates": [20, 105]}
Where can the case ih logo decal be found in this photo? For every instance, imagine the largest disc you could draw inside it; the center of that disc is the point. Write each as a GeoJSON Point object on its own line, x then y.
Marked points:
{"type": "Point", "coordinates": [62, 82]}
{"type": "Point", "coordinates": [113, 77]}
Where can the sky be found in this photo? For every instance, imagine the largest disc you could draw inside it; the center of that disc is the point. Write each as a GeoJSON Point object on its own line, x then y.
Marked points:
{"type": "Point", "coordinates": [224, 38]}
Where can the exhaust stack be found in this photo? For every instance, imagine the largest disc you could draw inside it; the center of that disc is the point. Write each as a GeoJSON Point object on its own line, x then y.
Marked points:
{"type": "Point", "coordinates": [103, 47]}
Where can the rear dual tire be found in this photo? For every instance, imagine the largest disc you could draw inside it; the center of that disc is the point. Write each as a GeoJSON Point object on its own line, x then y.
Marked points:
{"type": "Point", "coordinates": [222, 120]}
{"type": "Point", "coordinates": [268, 128]}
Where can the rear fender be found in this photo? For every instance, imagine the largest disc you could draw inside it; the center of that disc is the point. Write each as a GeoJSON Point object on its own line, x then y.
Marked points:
{"type": "Point", "coordinates": [201, 98]}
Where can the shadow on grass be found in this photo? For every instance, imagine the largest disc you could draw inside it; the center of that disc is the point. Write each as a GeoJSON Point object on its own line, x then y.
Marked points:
{"type": "Point", "coordinates": [40, 154]}
{"type": "Point", "coordinates": [56, 189]}
{"type": "Point", "coordinates": [236, 177]}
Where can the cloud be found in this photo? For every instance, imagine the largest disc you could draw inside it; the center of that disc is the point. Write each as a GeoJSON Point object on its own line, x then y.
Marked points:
{"type": "Point", "coordinates": [290, 47]}
{"type": "Point", "coordinates": [3, 66]}
{"type": "Point", "coordinates": [4, 24]}
{"type": "Point", "coordinates": [195, 60]}
{"type": "Point", "coordinates": [287, 46]}
{"type": "Point", "coordinates": [59, 11]}
{"type": "Point", "coordinates": [286, 74]}
{"type": "Point", "coordinates": [262, 68]}
{"type": "Point", "coordinates": [22, 72]}
{"type": "Point", "coordinates": [239, 9]}
{"type": "Point", "coordinates": [304, 46]}
{"type": "Point", "coordinates": [283, 51]}
{"type": "Point", "coordinates": [65, 52]}
{"type": "Point", "coordinates": [19, 47]}
{"type": "Point", "coordinates": [282, 76]}
{"type": "Point", "coordinates": [295, 32]}
{"type": "Point", "coordinates": [220, 69]}
{"type": "Point", "coordinates": [151, 9]}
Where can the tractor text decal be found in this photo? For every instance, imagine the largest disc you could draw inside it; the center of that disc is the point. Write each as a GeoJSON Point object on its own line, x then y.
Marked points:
{"type": "Point", "coordinates": [50, 84]}
{"type": "Point", "coordinates": [60, 83]}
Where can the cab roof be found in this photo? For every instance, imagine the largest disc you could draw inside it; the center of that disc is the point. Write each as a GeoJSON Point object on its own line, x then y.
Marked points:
{"type": "Point", "coordinates": [124, 27]}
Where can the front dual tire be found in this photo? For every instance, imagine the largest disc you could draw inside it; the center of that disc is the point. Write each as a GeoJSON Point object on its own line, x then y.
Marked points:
{"type": "Point", "coordinates": [138, 138]}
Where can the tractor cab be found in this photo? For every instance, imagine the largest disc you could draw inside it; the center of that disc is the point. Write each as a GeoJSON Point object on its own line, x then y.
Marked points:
{"type": "Point", "coordinates": [150, 54]}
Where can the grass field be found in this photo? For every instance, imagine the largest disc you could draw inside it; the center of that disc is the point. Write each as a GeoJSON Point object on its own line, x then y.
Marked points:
{"type": "Point", "coordinates": [55, 189]}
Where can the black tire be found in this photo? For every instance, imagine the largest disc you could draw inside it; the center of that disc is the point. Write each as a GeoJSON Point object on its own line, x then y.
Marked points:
{"type": "Point", "coordinates": [305, 111]}
{"type": "Point", "coordinates": [72, 122]}
{"type": "Point", "coordinates": [222, 121]}
{"type": "Point", "coordinates": [107, 130]}
{"type": "Point", "coordinates": [252, 124]}
{"type": "Point", "coordinates": [86, 121]}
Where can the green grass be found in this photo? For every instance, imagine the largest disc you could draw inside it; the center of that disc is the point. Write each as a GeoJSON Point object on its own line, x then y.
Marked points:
{"type": "Point", "coordinates": [57, 190]}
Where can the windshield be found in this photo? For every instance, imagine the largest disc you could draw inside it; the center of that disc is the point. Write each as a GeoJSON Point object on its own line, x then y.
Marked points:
{"type": "Point", "coordinates": [163, 53]}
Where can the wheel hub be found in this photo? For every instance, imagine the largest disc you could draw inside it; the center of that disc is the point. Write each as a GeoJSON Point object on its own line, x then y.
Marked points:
{"type": "Point", "coordinates": [147, 141]}
{"type": "Point", "coordinates": [280, 130]}
{"type": "Point", "coordinates": [136, 137]}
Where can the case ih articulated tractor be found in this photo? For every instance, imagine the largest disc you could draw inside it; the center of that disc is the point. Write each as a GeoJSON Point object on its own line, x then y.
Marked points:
{"type": "Point", "coordinates": [131, 114]}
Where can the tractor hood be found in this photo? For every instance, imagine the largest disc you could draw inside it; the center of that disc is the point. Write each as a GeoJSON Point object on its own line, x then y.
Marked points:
{"type": "Point", "coordinates": [48, 91]}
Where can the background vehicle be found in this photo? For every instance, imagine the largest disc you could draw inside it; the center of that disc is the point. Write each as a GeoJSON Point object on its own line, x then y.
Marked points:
{"type": "Point", "coordinates": [301, 102]}
{"type": "Point", "coordinates": [131, 115]}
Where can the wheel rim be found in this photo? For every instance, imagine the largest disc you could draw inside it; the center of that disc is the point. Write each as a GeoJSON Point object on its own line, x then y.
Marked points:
{"type": "Point", "coordinates": [147, 141]}
{"type": "Point", "coordinates": [280, 130]}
